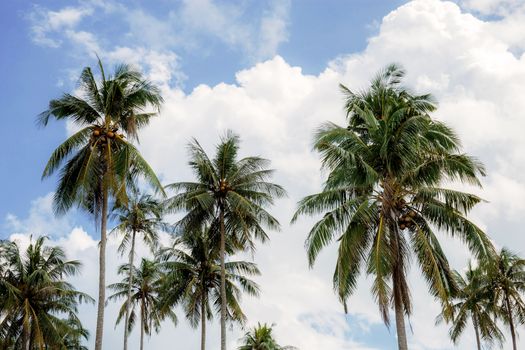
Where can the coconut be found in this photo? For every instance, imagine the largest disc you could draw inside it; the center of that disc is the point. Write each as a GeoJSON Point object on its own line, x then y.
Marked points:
{"type": "Point", "coordinates": [402, 226]}
{"type": "Point", "coordinates": [110, 134]}
{"type": "Point", "coordinates": [96, 132]}
{"type": "Point", "coordinates": [412, 214]}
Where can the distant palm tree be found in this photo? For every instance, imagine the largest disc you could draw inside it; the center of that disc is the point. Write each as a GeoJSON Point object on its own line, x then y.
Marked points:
{"type": "Point", "coordinates": [142, 215]}
{"type": "Point", "coordinates": [261, 338]}
{"type": "Point", "coordinates": [383, 196]}
{"type": "Point", "coordinates": [193, 271]}
{"type": "Point", "coordinates": [146, 287]}
{"type": "Point", "coordinates": [471, 302]}
{"type": "Point", "coordinates": [507, 284]}
{"type": "Point", "coordinates": [34, 294]}
{"type": "Point", "coordinates": [74, 334]}
{"type": "Point", "coordinates": [230, 194]}
{"type": "Point", "coordinates": [98, 159]}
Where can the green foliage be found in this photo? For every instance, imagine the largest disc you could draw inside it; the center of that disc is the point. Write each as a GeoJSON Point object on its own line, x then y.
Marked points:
{"type": "Point", "coordinates": [145, 296]}
{"type": "Point", "coordinates": [472, 303]}
{"type": "Point", "coordinates": [239, 186]}
{"type": "Point", "coordinates": [193, 273]}
{"type": "Point", "coordinates": [261, 338]}
{"type": "Point", "coordinates": [383, 196]}
{"type": "Point", "coordinates": [34, 295]}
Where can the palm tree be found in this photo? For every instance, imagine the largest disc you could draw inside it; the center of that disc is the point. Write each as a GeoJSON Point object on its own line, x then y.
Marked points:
{"type": "Point", "coordinates": [383, 195]}
{"type": "Point", "coordinates": [34, 293]}
{"type": "Point", "coordinates": [230, 194]}
{"type": "Point", "coordinates": [506, 273]}
{"type": "Point", "coordinates": [142, 215]}
{"type": "Point", "coordinates": [73, 335]}
{"type": "Point", "coordinates": [261, 338]}
{"type": "Point", "coordinates": [146, 288]}
{"type": "Point", "coordinates": [193, 271]}
{"type": "Point", "coordinates": [472, 301]}
{"type": "Point", "coordinates": [98, 159]}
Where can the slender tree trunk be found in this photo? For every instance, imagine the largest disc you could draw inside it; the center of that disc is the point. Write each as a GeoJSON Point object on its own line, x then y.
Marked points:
{"type": "Point", "coordinates": [203, 322]}
{"type": "Point", "coordinates": [475, 321]}
{"type": "Point", "coordinates": [400, 319]}
{"type": "Point", "coordinates": [511, 322]}
{"type": "Point", "coordinates": [130, 283]}
{"type": "Point", "coordinates": [25, 337]}
{"type": "Point", "coordinates": [223, 281]}
{"type": "Point", "coordinates": [102, 269]}
{"type": "Point", "coordinates": [142, 326]}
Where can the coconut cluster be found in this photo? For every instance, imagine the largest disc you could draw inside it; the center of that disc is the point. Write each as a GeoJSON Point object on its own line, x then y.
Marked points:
{"type": "Point", "coordinates": [102, 135]}
{"type": "Point", "coordinates": [406, 220]}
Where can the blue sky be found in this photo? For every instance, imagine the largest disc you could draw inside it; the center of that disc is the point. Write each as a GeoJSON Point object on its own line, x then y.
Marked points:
{"type": "Point", "coordinates": [269, 70]}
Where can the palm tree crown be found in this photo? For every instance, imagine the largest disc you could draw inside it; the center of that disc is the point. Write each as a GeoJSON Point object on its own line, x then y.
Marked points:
{"type": "Point", "coordinates": [506, 274]}
{"type": "Point", "coordinates": [383, 195]}
{"type": "Point", "coordinates": [261, 338]}
{"type": "Point", "coordinates": [34, 295]}
{"type": "Point", "coordinates": [193, 271]}
{"type": "Point", "coordinates": [145, 298]}
{"type": "Point", "coordinates": [471, 302]}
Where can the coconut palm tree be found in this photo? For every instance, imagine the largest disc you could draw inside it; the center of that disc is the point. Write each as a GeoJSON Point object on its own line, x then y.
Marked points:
{"type": "Point", "coordinates": [472, 302]}
{"type": "Point", "coordinates": [193, 269]}
{"type": "Point", "coordinates": [142, 215]}
{"type": "Point", "coordinates": [146, 294]}
{"type": "Point", "coordinates": [383, 196]}
{"type": "Point", "coordinates": [34, 293]}
{"type": "Point", "coordinates": [506, 273]}
{"type": "Point", "coordinates": [98, 160]}
{"type": "Point", "coordinates": [74, 334]}
{"type": "Point", "coordinates": [230, 194]}
{"type": "Point", "coordinates": [261, 338]}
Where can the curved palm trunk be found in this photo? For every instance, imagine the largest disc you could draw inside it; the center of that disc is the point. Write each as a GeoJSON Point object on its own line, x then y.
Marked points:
{"type": "Point", "coordinates": [102, 270]}
{"type": "Point", "coordinates": [130, 277]}
{"type": "Point", "coordinates": [203, 323]}
{"type": "Point", "coordinates": [223, 281]}
{"type": "Point", "coordinates": [475, 321]}
{"type": "Point", "coordinates": [511, 322]}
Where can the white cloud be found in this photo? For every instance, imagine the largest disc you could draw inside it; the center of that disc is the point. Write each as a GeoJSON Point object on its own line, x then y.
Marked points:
{"type": "Point", "coordinates": [474, 72]}
{"type": "Point", "coordinates": [45, 23]}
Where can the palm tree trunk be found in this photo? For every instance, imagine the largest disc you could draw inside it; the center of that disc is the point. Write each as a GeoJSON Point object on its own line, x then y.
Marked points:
{"type": "Point", "coordinates": [203, 322]}
{"type": "Point", "coordinates": [511, 322]}
{"type": "Point", "coordinates": [130, 282]}
{"type": "Point", "coordinates": [142, 326]}
{"type": "Point", "coordinates": [475, 321]}
{"type": "Point", "coordinates": [400, 319]}
{"type": "Point", "coordinates": [102, 270]}
{"type": "Point", "coordinates": [25, 336]}
{"type": "Point", "coordinates": [223, 281]}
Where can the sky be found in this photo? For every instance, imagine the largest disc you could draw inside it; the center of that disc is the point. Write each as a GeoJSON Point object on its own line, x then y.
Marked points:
{"type": "Point", "coordinates": [268, 70]}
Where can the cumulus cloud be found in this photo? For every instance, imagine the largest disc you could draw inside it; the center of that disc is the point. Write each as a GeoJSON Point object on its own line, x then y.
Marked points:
{"type": "Point", "coordinates": [475, 73]}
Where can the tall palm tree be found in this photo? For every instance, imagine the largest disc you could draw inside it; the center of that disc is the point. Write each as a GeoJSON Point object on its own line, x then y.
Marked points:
{"type": "Point", "coordinates": [193, 270]}
{"type": "Point", "coordinates": [34, 293]}
{"type": "Point", "coordinates": [98, 159]}
{"type": "Point", "coordinates": [146, 288]}
{"type": "Point", "coordinates": [261, 338]}
{"type": "Point", "coordinates": [142, 215]}
{"type": "Point", "coordinates": [472, 302]}
{"type": "Point", "coordinates": [383, 196]}
{"type": "Point", "coordinates": [506, 272]}
{"type": "Point", "coordinates": [231, 194]}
